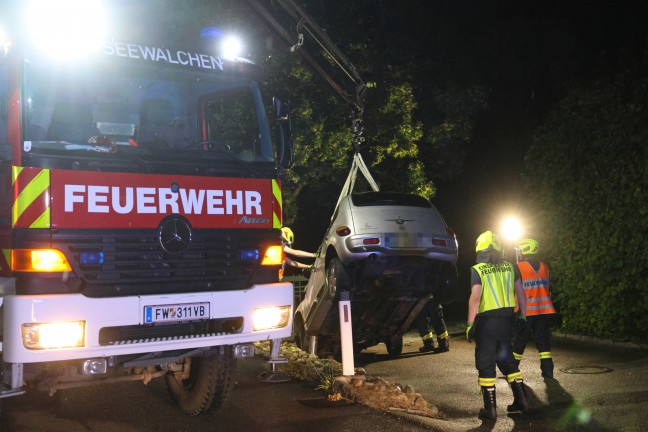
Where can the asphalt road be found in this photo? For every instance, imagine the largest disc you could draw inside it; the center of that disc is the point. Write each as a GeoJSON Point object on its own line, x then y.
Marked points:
{"type": "Point", "coordinates": [611, 401]}
{"type": "Point", "coordinates": [597, 387]}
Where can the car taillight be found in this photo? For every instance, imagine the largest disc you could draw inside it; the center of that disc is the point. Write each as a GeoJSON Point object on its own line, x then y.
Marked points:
{"type": "Point", "coordinates": [439, 242]}
{"type": "Point", "coordinates": [371, 241]}
{"type": "Point", "coordinates": [343, 231]}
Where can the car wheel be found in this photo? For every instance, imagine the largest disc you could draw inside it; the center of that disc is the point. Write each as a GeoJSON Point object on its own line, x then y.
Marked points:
{"type": "Point", "coordinates": [337, 278]}
{"type": "Point", "coordinates": [394, 345]}
{"type": "Point", "coordinates": [301, 339]}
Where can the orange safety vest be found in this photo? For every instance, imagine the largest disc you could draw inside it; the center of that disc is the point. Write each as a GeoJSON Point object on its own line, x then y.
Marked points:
{"type": "Point", "coordinates": [536, 288]}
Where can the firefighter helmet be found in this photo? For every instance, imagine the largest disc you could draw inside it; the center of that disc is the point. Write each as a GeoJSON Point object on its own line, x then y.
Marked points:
{"type": "Point", "coordinates": [287, 235]}
{"type": "Point", "coordinates": [528, 247]}
{"type": "Point", "coordinates": [487, 239]}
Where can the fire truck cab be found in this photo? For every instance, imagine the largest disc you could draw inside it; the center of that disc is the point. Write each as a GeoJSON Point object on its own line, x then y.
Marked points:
{"type": "Point", "coordinates": [140, 203]}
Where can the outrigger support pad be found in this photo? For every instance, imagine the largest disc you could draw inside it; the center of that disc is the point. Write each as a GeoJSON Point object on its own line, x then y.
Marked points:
{"type": "Point", "coordinates": [274, 375]}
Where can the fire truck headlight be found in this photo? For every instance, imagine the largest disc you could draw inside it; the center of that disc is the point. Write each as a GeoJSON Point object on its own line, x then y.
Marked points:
{"type": "Point", "coordinates": [271, 317]}
{"type": "Point", "coordinates": [66, 29]}
{"type": "Point", "coordinates": [39, 260]}
{"type": "Point", "coordinates": [273, 256]}
{"type": "Point", "coordinates": [42, 336]}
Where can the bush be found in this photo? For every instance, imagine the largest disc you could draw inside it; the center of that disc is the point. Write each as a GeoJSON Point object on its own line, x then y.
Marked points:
{"type": "Point", "coordinates": [587, 171]}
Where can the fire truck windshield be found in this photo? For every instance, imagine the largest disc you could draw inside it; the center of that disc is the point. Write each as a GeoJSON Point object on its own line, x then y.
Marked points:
{"type": "Point", "coordinates": [168, 120]}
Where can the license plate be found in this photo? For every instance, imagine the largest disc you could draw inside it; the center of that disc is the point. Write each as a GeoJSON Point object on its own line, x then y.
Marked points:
{"type": "Point", "coordinates": [176, 312]}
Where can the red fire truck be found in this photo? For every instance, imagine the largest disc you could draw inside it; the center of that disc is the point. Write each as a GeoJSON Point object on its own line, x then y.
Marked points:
{"type": "Point", "coordinates": [140, 203]}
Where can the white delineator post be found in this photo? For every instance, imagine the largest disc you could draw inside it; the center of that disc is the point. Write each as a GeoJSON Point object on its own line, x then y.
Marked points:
{"type": "Point", "coordinates": [346, 334]}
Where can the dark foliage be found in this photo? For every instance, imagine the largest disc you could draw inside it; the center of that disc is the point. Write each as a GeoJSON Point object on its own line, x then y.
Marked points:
{"type": "Point", "coordinates": [587, 171]}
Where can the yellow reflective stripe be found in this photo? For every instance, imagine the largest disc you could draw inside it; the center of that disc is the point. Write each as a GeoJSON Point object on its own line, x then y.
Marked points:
{"type": "Point", "coordinates": [7, 256]}
{"type": "Point", "coordinates": [15, 171]}
{"type": "Point", "coordinates": [428, 336]}
{"type": "Point", "coordinates": [514, 376]}
{"type": "Point", "coordinates": [276, 216]}
{"type": "Point", "coordinates": [43, 221]}
{"type": "Point", "coordinates": [486, 382]}
{"type": "Point", "coordinates": [545, 354]}
{"type": "Point", "coordinates": [517, 356]}
{"type": "Point", "coordinates": [29, 194]}
{"type": "Point", "coordinates": [443, 335]}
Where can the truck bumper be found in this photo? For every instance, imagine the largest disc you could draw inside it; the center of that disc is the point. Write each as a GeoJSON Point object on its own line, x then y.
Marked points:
{"type": "Point", "coordinates": [120, 312]}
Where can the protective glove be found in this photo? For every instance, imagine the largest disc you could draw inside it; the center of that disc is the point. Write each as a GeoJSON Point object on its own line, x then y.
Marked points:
{"type": "Point", "coordinates": [470, 332]}
{"type": "Point", "coordinates": [521, 327]}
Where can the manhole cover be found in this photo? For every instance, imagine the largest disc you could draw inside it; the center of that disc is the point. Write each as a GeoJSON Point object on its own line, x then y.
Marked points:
{"type": "Point", "coordinates": [587, 370]}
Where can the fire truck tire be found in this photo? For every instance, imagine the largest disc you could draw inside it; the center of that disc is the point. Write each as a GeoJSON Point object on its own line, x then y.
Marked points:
{"type": "Point", "coordinates": [209, 384]}
{"type": "Point", "coordinates": [394, 346]}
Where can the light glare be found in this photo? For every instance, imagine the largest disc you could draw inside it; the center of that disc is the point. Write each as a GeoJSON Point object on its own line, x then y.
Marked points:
{"type": "Point", "coordinates": [273, 256]}
{"type": "Point", "coordinates": [271, 317]}
{"type": "Point", "coordinates": [511, 229]}
{"type": "Point", "coordinates": [67, 29]}
{"type": "Point", "coordinates": [54, 335]}
{"type": "Point", "coordinates": [231, 47]}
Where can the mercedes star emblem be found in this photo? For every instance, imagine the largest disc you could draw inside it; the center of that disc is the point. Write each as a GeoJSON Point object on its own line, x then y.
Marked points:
{"type": "Point", "coordinates": [174, 234]}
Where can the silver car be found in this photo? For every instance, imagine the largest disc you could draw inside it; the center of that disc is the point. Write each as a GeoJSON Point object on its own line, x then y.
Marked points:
{"type": "Point", "coordinates": [392, 252]}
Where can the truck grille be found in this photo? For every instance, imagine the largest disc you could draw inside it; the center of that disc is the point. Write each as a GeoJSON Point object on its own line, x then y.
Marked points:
{"type": "Point", "coordinates": [135, 263]}
{"type": "Point", "coordinates": [164, 332]}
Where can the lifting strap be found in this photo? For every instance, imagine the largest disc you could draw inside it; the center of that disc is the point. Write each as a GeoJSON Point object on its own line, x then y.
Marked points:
{"type": "Point", "coordinates": [358, 164]}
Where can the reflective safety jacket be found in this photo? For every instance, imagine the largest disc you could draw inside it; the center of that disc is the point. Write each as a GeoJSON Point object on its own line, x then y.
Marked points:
{"type": "Point", "coordinates": [536, 288]}
{"type": "Point", "coordinates": [498, 290]}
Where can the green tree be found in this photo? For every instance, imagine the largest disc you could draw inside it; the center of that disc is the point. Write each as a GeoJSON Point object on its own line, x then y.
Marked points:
{"type": "Point", "coordinates": [415, 125]}
{"type": "Point", "coordinates": [588, 178]}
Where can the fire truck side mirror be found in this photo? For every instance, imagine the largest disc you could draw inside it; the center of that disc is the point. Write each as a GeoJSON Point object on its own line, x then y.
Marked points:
{"type": "Point", "coordinates": [285, 144]}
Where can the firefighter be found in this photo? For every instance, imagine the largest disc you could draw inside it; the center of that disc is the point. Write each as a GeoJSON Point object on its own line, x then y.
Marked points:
{"type": "Point", "coordinates": [287, 239]}
{"type": "Point", "coordinates": [490, 322]}
{"type": "Point", "coordinates": [432, 316]}
{"type": "Point", "coordinates": [535, 282]}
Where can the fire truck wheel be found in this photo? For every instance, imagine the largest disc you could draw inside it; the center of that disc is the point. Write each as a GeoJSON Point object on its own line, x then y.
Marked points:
{"type": "Point", "coordinates": [208, 386]}
{"type": "Point", "coordinates": [394, 345]}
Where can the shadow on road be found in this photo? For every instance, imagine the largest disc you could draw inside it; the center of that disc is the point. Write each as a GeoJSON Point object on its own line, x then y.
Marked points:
{"type": "Point", "coordinates": [562, 412]}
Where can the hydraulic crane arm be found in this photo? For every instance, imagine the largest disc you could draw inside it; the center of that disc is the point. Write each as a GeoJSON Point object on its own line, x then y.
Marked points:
{"type": "Point", "coordinates": [280, 12]}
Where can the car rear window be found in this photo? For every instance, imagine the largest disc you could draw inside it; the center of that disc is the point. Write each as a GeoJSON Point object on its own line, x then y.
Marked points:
{"type": "Point", "coordinates": [367, 199]}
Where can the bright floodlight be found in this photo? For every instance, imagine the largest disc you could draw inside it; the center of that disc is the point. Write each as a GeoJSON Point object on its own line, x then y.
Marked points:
{"type": "Point", "coordinates": [5, 43]}
{"type": "Point", "coordinates": [231, 47]}
{"type": "Point", "coordinates": [66, 28]}
{"type": "Point", "coordinates": [511, 229]}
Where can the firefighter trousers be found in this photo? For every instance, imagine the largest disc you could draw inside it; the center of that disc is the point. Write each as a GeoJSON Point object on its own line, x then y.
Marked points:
{"type": "Point", "coordinates": [538, 326]}
{"type": "Point", "coordinates": [431, 318]}
{"type": "Point", "coordinates": [493, 348]}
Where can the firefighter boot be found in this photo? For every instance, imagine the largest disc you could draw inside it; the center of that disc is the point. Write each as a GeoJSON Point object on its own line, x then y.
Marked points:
{"type": "Point", "coordinates": [520, 402]}
{"type": "Point", "coordinates": [490, 404]}
{"type": "Point", "coordinates": [428, 346]}
{"type": "Point", "coordinates": [547, 367]}
{"type": "Point", "coordinates": [444, 345]}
